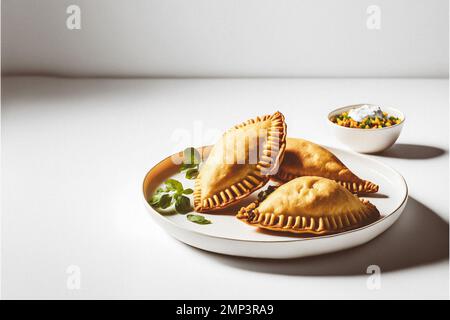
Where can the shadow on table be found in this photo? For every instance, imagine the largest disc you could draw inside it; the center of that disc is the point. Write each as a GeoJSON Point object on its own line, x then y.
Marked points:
{"type": "Point", "coordinates": [412, 151]}
{"type": "Point", "coordinates": [419, 237]}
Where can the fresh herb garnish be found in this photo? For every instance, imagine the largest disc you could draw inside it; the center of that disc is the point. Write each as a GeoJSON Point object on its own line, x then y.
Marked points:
{"type": "Point", "coordinates": [198, 219]}
{"type": "Point", "coordinates": [191, 174]}
{"type": "Point", "coordinates": [154, 200]}
{"type": "Point", "coordinates": [173, 193]}
{"type": "Point", "coordinates": [265, 193]}
{"type": "Point", "coordinates": [191, 162]}
{"type": "Point", "coordinates": [183, 205]}
{"type": "Point", "coordinates": [165, 201]}
{"type": "Point", "coordinates": [173, 185]}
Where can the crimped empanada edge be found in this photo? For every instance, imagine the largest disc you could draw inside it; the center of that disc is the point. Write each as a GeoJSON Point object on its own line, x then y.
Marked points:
{"type": "Point", "coordinates": [229, 195]}
{"type": "Point", "coordinates": [309, 225]}
{"type": "Point", "coordinates": [360, 187]}
{"type": "Point", "coordinates": [245, 187]}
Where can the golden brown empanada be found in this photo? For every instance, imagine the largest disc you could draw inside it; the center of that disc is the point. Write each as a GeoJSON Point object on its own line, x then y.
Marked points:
{"type": "Point", "coordinates": [310, 205]}
{"type": "Point", "coordinates": [305, 158]}
{"type": "Point", "coordinates": [240, 162]}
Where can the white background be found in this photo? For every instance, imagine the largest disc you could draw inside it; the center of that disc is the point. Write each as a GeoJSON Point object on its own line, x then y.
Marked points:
{"type": "Point", "coordinates": [233, 38]}
{"type": "Point", "coordinates": [74, 151]}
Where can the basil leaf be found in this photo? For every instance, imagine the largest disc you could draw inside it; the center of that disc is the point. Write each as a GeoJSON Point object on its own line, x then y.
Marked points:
{"type": "Point", "coordinates": [183, 205]}
{"type": "Point", "coordinates": [198, 219]}
{"type": "Point", "coordinates": [188, 191]}
{"type": "Point", "coordinates": [159, 190]}
{"type": "Point", "coordinates": [191, 156]}
{"type": "Point", "coordinates": [165, 201]}
{"type": "Point", "coordinates": [174, 185]}
{"type": "Point", "coordinates": [186, 166]}
{"type": "Point", "coordinates": [154, 200]}
{"type": "Point", "coordinates": [191, 174]}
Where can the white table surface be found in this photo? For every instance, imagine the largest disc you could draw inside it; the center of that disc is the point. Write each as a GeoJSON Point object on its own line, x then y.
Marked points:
{"type": "Point", "coordinates": [74, 153]}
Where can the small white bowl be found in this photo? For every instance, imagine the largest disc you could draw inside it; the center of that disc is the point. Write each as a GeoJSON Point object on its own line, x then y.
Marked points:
{"type": "Point", "coordinates": [367, 140]}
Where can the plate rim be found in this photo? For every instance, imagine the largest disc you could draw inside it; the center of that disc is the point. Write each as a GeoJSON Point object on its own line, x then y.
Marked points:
{"type": "Point", "coordinates": [159, 216]}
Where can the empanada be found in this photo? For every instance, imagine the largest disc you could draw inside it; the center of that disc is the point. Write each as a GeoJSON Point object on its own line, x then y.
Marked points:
{"type": "Point", "coordinates": [305, 158]}
{"type": "Point", "coordinates": [310, 205]}
{"type": "Point", "coordinates": [240, 162]}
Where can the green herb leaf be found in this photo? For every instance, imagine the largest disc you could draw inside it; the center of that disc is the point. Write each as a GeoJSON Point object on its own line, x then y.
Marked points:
{"type": "Point", "coordinates": [186, 166]}
{"type": "Point", "coordinates": [154, 200]}
{"type": "Point", "coordinates": [188, 191]}
{"type": "Point", "coordinates": [174, 185]}
{"type": "Point", "coordinates": [191, 174]}
{"type": "Point", "coordinates": [191, 156]}
{"type": "Point", "coordinates": [198, 219]}
{"type": "Point", "coordinates": [183, 205]}
{"type": "Point", "coordinates": [165, 201]}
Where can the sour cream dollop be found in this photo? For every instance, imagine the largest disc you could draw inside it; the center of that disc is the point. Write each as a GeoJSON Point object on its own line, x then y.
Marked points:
{"type": "Point", "coordinates": [359, 114]}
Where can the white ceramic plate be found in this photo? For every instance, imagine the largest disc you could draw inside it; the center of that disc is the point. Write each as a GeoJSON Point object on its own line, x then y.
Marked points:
{"type": "Point", "coordinates": [228, 235]}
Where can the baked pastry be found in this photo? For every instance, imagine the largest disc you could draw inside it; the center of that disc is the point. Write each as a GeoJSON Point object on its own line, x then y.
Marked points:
{"type": "Point", "coordinates": [310, 205]}
{"type": "Point", "coordinates": [240, 162]}
{"type": "Point", "coordinates": [305, 158]}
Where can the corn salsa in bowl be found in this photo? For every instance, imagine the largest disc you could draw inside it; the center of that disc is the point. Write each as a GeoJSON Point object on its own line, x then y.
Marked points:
{"type": "Point", "coordinates": [346, 124]}
{"type": "Point", "coordinates": [365, 117]}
